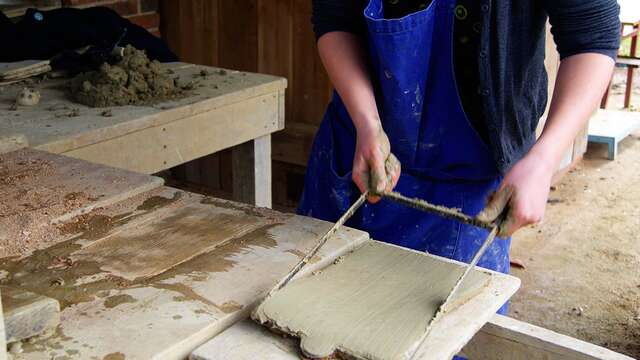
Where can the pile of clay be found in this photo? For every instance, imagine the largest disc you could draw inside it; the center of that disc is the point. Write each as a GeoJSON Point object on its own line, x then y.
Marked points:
{"type": "Point", "coordinates": [134, 80]}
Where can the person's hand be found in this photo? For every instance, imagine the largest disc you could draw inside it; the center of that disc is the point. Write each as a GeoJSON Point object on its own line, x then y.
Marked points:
{"type": "Point", "coordinates": [375, 168]}
{"type": "Point", "coordinates": [523, 194]}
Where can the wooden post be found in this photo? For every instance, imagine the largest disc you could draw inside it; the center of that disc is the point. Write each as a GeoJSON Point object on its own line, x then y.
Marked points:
{"type": "Point", "coordinates": [251, 163]}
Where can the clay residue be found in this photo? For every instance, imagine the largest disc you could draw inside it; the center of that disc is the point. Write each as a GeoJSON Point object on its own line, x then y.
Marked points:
{"type": "Point", "coordinates": [133, 81]}
{"type": "Point", "coordinates": [229, 307]}
{"type": "Point", "coordinates": [375, 304]}
{"type": "Point", "coordinates": [115, 300]}
{"type": "Point", "coordinates": [114, 356]}
{"type": "Point", "coordinates": [149, 250]}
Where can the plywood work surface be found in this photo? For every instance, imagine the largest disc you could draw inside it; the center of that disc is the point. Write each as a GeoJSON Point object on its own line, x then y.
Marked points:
{"type": "Point", "coordinates": [378, 302]}
{"type": "Point", "coordinates": [39, 189]}
{"type": "Point", "coordinates": [159, 280]}
{"type": "Point", "coordinates": [59, 125]}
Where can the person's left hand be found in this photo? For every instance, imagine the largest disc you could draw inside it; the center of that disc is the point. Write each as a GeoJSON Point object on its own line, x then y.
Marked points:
{"type": "Point", "coordinates": [524, 190]}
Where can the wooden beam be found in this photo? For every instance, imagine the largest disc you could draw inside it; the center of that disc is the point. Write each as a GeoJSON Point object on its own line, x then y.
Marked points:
{"type": "Point", "coordinates": [507, 338]}
{"type": "Point", "coordinates": [163, 146]}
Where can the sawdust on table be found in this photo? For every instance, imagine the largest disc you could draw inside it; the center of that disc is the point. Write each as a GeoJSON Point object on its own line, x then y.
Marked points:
{"type": "Point", "coordinates": [135, 80]}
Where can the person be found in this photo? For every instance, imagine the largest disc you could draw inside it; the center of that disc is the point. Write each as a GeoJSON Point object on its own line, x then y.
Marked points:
{"type": "Point", "coordinates": [453, 89]}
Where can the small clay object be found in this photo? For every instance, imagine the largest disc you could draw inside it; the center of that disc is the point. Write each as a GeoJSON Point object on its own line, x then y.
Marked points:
{"type": "Point", "coordinates": [28, 97]}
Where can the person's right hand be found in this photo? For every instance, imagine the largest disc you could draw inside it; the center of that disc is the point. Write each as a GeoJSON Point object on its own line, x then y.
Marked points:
{"type": "Point", "coordinates": [375, 168]}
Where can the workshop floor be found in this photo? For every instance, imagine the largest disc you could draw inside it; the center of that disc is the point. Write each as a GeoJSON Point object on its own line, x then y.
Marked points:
{"type": "Point", "coordinates": [581, 273]}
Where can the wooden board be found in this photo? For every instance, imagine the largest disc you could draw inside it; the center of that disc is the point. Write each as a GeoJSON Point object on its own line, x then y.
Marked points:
{"type": "Point", "coordinates": [144, 250]}
{"type": "Point", "coordinates": [500, 338]}
{"type": "Point", "coordinates": [21, 69]}
{"type": "Point", "coordinates": [27, 314]}
{"type": "Point", "coordinates": [40, 189]}
{"type": "Point", "coordinates": [378, 302]}
{"type": "Point", "coordinates": [507, 338]}
{"type": "Point", "coordinates": [168, 315]}
{"type": "Point", "coordinates": [224, 109]}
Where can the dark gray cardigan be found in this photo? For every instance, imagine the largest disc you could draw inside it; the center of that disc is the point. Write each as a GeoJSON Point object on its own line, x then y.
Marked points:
{"type": "Point", "coordinates": [513, 81]}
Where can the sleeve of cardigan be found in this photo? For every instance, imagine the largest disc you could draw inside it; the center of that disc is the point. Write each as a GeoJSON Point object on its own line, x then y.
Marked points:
{"type": "Point", "coordinates": [585, 26]}
{"type": "Point", "coordinates": [337, 15]}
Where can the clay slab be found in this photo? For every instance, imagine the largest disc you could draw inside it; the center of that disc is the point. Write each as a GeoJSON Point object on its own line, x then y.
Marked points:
{"type": "Point", "coordinates": [378, 302]}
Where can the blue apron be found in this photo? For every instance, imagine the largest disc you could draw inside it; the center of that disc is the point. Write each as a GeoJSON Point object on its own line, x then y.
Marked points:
{"type": "Point", "coordinates": [444, 160]}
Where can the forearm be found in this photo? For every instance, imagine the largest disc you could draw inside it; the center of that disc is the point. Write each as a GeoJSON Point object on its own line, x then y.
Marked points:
{"type": "Point", "coordinates": [581, 81]}
{"type": "Point", "coordinates": [344, 61]}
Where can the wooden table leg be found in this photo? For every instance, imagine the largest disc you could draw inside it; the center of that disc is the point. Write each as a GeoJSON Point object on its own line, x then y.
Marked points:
{"type": "Point", "coordinates": [251, 163]}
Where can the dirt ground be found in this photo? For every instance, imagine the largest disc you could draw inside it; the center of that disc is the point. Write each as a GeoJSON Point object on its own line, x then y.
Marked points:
{"type": "Point", "coordinates": [582, 263]}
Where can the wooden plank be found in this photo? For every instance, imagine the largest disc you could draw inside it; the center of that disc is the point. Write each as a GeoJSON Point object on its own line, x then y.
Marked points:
{"type": "Point", "coordinates": [191, 29]}
{"type": "Point", "coordinates": [143, 250]}
{"type": "Point", "coordinates": [310, 84]}
{"type": "Point", "coordinates": [507, 338]}
{"type": "Point", "coordinates": [378, 303]}
{"type": "Point", "coordinates": [238, 34]}
{"type": "Point", "coordinates": [252, 172]}
{"type": "Point", "coordinates": [42, 189]}
{"type": "Point", "coordinates": [163, 146]}
{"type": "Point", "coordinates": [27, 314]}
{"type": "Point", "coordinates": [275, 42]}
{"type": "Point", "coordinates": [20, 69]}
{"type": "Point", "coordinates": [50, 127]}
{"type": "Point", "coordinates": [169, 315]}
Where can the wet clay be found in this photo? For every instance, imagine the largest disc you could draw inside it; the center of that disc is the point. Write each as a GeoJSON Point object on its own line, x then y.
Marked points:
{"type": "Point", "coordinates": [375, 304]}
{"type": "Point", "coordinates": [115, 300]}
{"type": "Point", "coordinates": [154, 247]}
{"type": "Point", "coordinates": [133, 81]}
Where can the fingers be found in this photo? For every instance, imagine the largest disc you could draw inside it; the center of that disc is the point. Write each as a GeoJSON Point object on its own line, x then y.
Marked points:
{"type": "Point", "coordinates": [378, 176]}
{"type": "Point", "coordinates": [520, 215]}
{"type": "Point", "coordinates": [393, 169]}
{"type": "Point", "coordinates": [496, 204]}
{"type": "Point", "coordinates": [508, 226]}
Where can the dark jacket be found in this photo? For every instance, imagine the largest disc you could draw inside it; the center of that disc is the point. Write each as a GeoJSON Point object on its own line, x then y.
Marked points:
{"type": "Point", "coordinates": [512, 77]}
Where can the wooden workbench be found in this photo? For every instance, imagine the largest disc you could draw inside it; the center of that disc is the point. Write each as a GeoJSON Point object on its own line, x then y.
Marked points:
{"type": "Point", "coordinates": [168, 278]}
{"type": "Point", "coordinates": [147, 273]}
{"type": "Point", "coordinates": [224, 109]}
{"type": "Point", "coordinates": [155, 272]}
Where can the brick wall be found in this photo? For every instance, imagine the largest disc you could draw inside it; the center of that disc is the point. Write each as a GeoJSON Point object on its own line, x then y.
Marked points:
{"type": "Point", "coordinates": [141, 12]}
